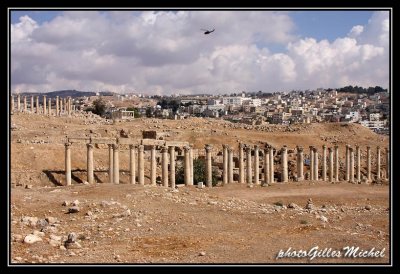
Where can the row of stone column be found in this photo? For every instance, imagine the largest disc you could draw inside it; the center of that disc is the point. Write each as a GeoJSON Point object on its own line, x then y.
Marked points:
{"type": "Point", "coordinates": [168, 179]}
{"type": "Point", "coordinates": [62, 105]}
{"type": "Point", "coordinates": [330, 165]}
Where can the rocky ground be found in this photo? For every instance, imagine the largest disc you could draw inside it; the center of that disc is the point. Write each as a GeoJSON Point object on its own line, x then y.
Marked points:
{"type": "Point", "coordinates": [104, 223]}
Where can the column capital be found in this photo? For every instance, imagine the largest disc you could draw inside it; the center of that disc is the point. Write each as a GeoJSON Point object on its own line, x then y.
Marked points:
{"type": "Point", "coordinates": [141, 147]}
{"type": "Point", "coordinates": [378, 147]}
{"type": "Point", "coordinates": [284, 148]}
{"type": "Point", "coordinates": [44, 96]}
{"type": "Point", "coordinates": [90, 145]}
{"type": "Point", "coordinates": [208, 148]}
{"type": "Point", "coordinates": [186, 148]}
{"type": "Point", "coordinates": [336, 146]}
{"type": "Point", "coordinates": [241, 146]}
{"type": "Point", "coordinates": [311, 147]}
{"type": "Point", "coordinates": [315, 150]}
{"type": "Point", "coordinates": [116, 146]}
{"type": "Point", "coordinates": [230, 149]}
{"type": "Point", "coordinates": [164, 149]}
{"type": "Point", "coordinates": [67, 144]}
{"type": "Point", "coordinates": [350, 149]}
{"type": "Point", "coordinates": [266, 150]}
{"type": "Point", "coordinates": [225, 146]}
{"type": "Point", "coordinates": [300, 149]}
{"type": "Point", "coordinates": [110, 145]}
{"type": "Point", "coordinates": [329, 149]}
{"type": "Point", "coordinates": [256, 147]}
{"type": "Point", "coordinates": [324, 146]}
{"type": "Point", "coordinates": [131, 146]}
{"type": "Point", "coordinates": [248, 148]}
{"type": "Point", "coordinates": [368, 147]}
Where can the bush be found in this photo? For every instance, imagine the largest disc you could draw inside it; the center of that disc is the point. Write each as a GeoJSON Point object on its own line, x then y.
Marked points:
{"type": "Point", "coordinates": [99, 106]}
{"type": "Point", "coordinates": [199, 172]}
{"type": "Point", "coordinates": [279, 203]}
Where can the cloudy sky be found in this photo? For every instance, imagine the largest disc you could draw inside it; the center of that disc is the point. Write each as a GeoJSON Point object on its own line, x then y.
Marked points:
{"type": "Point", "coordinates": [165, 52]}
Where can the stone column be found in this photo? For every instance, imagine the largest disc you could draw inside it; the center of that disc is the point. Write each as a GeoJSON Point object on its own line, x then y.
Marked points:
{"type": "Point", "coordinates": [90, 176]}
{"type": "Point", "coordinates": [61, 106]}
{"type": "Point", "coordinates": [68, 163]}
{"type": "Point", "coordinates": [132, 165]}
{"type": "Point", "coordinates": [187, 166]}
{"type": "Point", "coordinates": [230, 165]}
{"type": "Point", "coordinates": [12, 104]}
{"type": "Point", "coordinates": [19, 103]}
{"type": "Point", "coordinates": [57, 106]}
{"type": "Point", "coordinates": [316, 164]}
{"type": "Point", "coordinates": [164, 170]}
{"type": "Point", "coordinates": [324, 162]}
{"type": "Point", "coordinates": [330, 151]}
{"type": "Point", "coordinates": [225, 164]}
{"type": "Point", "coordinates": [256, 166]}
{"type": "Point", "coordinates": [172, 166]}
{"type": "Point", "coordinates": [208, 165]}
{"type": "Point", "coordinates": [44, 105]}
{"type": "Point", "coordinates": [116, 163]}
{"type": "Point", "coordinates": [351, 152]}
{"type": "Point", "coordinates": [191, 165]}
{"type": "Point", "coordinates": [347, 163]}
{"type": "Point", "coordinates": [387, 164]}
{"type": "Point", "coordinates": [49, 110]}
{"type": "Point", "coordinates": [284, 162]}
{"type": "Point", "coordinates": [110, 162]}
{"type": "Point", "coordinates": [248, 162]}
{"type": "Point", "coordinates": [65, 105]}
{"type": "Point", "coordinates": [141, 164]}
{"type": "Point", "coordinates": [311, 163]}
{"type": "Point", "coordinates": [37, 104]}
{"type": "Point", "coordinates": [337, 163]}
{"type": "Point", "coordinates": [241, 163]}
{"type": "Point", "coordinates": [358, 164]}
{"type": "Point", "coordinates": [378, 162]}
{"type": "Point", "coordinates": [32, 106]}
{"type": "Point", "coordinates": [25, 105]}
{"type": "Point", "coordinates": [153, 166]}
{"type": "Point", "coordinates": [369, 163]}
{"type": "Point", "coordinates": [266, 166]}
{"type": "Point", "coordinates": [69, 105]}
{"type": "Point", "coordinates": [300, 163]}
{"type": "Point", "coordinates": [271, 164]}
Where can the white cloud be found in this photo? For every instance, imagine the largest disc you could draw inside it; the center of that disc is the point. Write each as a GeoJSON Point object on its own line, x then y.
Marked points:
{"type": "Point", "coordinates": [163, 52]}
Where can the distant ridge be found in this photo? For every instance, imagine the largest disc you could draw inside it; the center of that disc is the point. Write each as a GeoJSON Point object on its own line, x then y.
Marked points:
{"type": "Point", "coordinates": [65, 93]}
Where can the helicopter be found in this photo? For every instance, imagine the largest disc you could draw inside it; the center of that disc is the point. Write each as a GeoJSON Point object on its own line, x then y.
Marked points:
{"type": "Point", "coordinates": [207, 31]}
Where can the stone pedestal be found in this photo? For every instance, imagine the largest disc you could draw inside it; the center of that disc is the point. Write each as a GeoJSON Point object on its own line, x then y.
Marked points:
{"type": "Point", "coordinates": [172, 166]}
{"type": "Point", "coordinates": [256, 178]}
{"type": "Point", "coordinates": [284, 161]}
{"type": "Point", "coordinates": [248, 162]}
{"type": "Point", "coordinates": [153, 166]}
{"type": "Point", "coordinates": [90, 175]}
{"type": "Point", "coordinates": [68, 163]}
{"type": "Point", "coordinates": [208, 165]}
{"type": "Point", "coordinates": [141, 164]}
{"type": "Point", "coordinates": [132, 165]}
{"type": "Point", "coordinates": [116, 163]}
{"type": "Point", "coordinates": [241, 163]}
{"type": "Point", "coordinates": [300, 163]}
{"type": "Point", "coordinates": [110, 163]}
{"type": "Point", "coordinates": [164, 166]}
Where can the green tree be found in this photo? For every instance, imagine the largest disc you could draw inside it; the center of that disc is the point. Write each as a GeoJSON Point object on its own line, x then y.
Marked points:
{"type": "Point", "coordinates": [199, 172]}
{"type": "Point", "coordinates": [99, 106]}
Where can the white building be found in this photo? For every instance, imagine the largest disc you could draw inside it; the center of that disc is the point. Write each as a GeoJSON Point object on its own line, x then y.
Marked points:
{"type": "Point", "coordinates": [233, 101]}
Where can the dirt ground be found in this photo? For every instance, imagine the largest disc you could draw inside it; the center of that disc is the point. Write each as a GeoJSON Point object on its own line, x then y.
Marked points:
{"type": "Point", "coordinates": [227, 224]}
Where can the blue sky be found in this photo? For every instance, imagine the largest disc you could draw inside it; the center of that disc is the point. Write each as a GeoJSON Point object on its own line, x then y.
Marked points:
{"type": "Point", "coordinates": [162, 52]}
